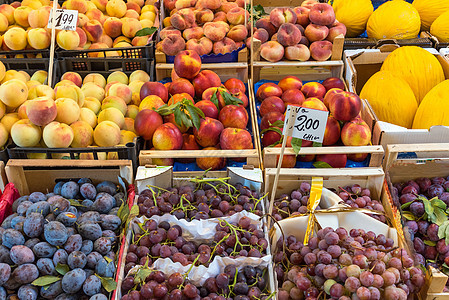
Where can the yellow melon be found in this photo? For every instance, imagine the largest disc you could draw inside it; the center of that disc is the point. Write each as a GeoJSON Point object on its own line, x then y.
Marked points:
{"type": "Point", "coordinates": [417, 66]}
{"type": "Point", "coordinates": [354, 14]}
{"type": "Point", "coordinates": [430, 10]}
{"type": "Point", "coordinates": [440, 27]}
{"type": "Point", "coordinates": [391, 98]}
{"type": "Point", "coordinates": [395, 19]}
{"type": "Point", "coordinates": [434, 109]}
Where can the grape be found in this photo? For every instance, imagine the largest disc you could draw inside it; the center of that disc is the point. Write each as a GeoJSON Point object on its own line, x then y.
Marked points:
{"type": "Point", "coordinates": [330, 272]}
{"type": "Point", "coordinates": [366, 278]}
{"type": "Point", "coordinates": [363, 293]}
{"type": "Point", "coordinates": [336, 290]}
{"type": "Point", "coordinates": [303, 283]}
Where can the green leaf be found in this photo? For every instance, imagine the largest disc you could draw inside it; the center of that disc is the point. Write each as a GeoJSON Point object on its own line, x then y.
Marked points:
{"type": "Point", "coordinates": [123, 212]}
{"type": "Point", "coordinates": [442, 230]}
{"type": "Point", "coordinates": [141, 275]}
{"type": "Point", "coordinates": [108, 259]}
{"type": "Point", "coordinates": [45, 280]}
{"type": "Point", "coordinates": [178, 119]}
{"type": "Point", "coordinates": [428, 209]}
{"type": "Point", "coordinates": [430, 243]}
{"type": "Point", "coordinates": [194, 116]}
{"type": "Point", "coordinates": [446, 232]}
{"type": "Point", "coordinates": [229, 99]}
{"type": "Point", "coordinates": [321, 164]}
{"type": "Point", "coordinates": [316, 144]}
{"type": "Point", "coordinates": [405, 205]}
{"type": "Point", "coordinates": [296, 145]}
{"type": "Point", "coordinates": [438, 203]}
{"type": "Point", "coordinates": [440, 216]}
{"type": "Point", "coordinates": [272, 128]}
{"type": "Point", "coordinates": [214, 100]}
{"type": "Point", "coordinates": [62, 269]}
{"type": "Point", "coordinates": [134, 211]}
{"type": "Point", "coordinates": [198, 111]}
{"type": "Point", "coordinates": [146, 31]}
{"type": "Point", "coordinates": [277, 123]}
{"type": "Point", "coordinates": [108, 283]}
{"type": "Point", "coordinates": [74, 202]}
{"type": "Point", "coordinates": [408, 215]}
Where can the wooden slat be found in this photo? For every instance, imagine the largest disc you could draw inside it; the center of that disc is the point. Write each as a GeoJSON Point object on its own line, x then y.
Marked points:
{"type": "Point", "coordinates": [392, 151]}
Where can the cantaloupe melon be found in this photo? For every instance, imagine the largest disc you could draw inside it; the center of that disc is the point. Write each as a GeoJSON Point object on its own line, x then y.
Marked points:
{"type": "Point", "coordinates": [434, 108]}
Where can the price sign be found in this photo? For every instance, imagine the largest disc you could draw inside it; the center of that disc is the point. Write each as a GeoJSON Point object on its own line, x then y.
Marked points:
{"type": "Point", "coordinates": [65, 19]}
{"type": "Point", "coordinates": [305, 123]}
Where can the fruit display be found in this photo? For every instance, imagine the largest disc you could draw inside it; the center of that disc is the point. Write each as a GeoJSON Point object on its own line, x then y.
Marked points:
{"type": "Point", "coordinates": [77, 112]}
{"type": "Point", "coordinates": [62, 244]}
{"type": "Point", "coordinates": [101, 24]}
{"type": "Point", "coordinates": [423, 203]}
{"type": "Point", "coordinates": [426, 85]}
{"type": "Point", "coordinates": [354, 14]}
{"type": "Point", "coordinates": [204, 26]}
{"type": "Point", "coordinates": [437, 28]}
{"type": "Point", "coordinates": [299, 34]}
{"type": "Point", "coordinates": [344, 122]}
{"type": "Point", "coordinates": [344, 265]}
{"type": "Point", "coordinates": [247, 282]}
{"type": "Point", "coordinates": [201, 113]}
{"type": "Point", "coordinates": [207, 199]}
{"type": "Point", "coordinates": [429, 11]}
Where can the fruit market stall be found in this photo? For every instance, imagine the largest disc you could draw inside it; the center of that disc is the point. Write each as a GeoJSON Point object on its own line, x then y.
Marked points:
{"type": "Point", "coordinates": [414, 75]}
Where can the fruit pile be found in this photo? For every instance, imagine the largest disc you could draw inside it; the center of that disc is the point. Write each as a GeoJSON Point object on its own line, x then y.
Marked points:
{"type": "Point", "coordinates": [204, 26]}
{"type": "Point", "coordinates": [201, 113]}
{"type": "Point", "coordinates": [62, 243]}
{"type": "Point", "coordinates": [300, 33]}
{"type": "Point", "coordinates": [207, 200]}
{"type": "Point", "coordinates": [294, 204]}
{"type": "Point", "coordinates": [423, 203]}
{"type": "Point", "coordinates": [76, 113]}
{"type": "Point", "coordinates": [101, 24]}
{"type": "Point", "coordinates": [344, 122]}
{"type": "Point", "coordinates": [354, 265]}
{"type": "Point", "coordinates": [245, 283]}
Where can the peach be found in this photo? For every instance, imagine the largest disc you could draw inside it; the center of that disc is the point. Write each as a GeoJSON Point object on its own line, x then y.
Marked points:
{"type": "Point", "coordinates": [167, 137]}
{"type": "Point", "coordinates": [15, 38]}
{"type": "Point", "coordinates": [82, 20]}
{"type": "Point", "coordinates": [321, 50]}
{"type": "Point", "coordinates": [261, 34]}
{"type": "Point", "coordinates": [38, 38]}
{"type": "Point", "coordinates": [41, 111]}
{"type": "Point", "coordinates": [314, 103]}
{"type": "Point", "coordinates": [237, 15]}
{"type": "Point", "coordinates": [112, 114]}
{"type": "Point", "coordinates": [272, 51]}
{"type": "Point", "coordinates": [96, 78]}
{"type": "Point", "coordinates": [270, 104]}
{"type": "Point", "coordinates": [131, 14]}
{"type": "Point", "coordinates": [270, 118]}
{"type": "Point", "coordinates": [241, 96]}
{"type": "Point", "coordinates": [268, 89]}
{"type": "Point", "coordinates": [25, 134]}
{"type": "Point", "coordinates": [39, 18]}
{"type": "Point", "coordinates": [334, 160]}
{"type": "Point", "coordinates": [204, 80]}
{"type": "Point", "coordinates": [152, 102]}
{"type": "Point", "coordinates": [180, 4]}
{"type": "Point", "coordinates": [208, 134]}
{"type": "Point", "coordinates": [292, 97]}
{"type": "Point", "coordinates": [188, 143]}
{"type": "Point", "coordinates": [264, 23]}
{"type": "Point", "coordinates": [183, 19]}
{"type": "Point", "coordinates": [180, 97]}
{"type": "Point", "coordinates": [304, 41]}
{"type": "Point", "coordinates": [202, 46]}
{"type": "Point", "coordinates": [131, 111]}
{"type": "Point", "coordinates": [101, 4]}
{"type": "Point", "coordinates": [83, 37]}
{"type": "Point", "coordinates": [193, 33]}
{"type": "Point", "coordinates": [40, 76]}
{"type": "Point", "coordinates": [94, 30]}
{"type": "Point", "coordinates": [203, 16]}
{"type": "Point", "coordinates": [173, 44]}
{"type": "Point", "coordinates": [309, 3]}
{"type": "Point", "coordinates": [224, 46]}
{"type": "Point", "coordinates": [315, 32]}
{"type": "Point", "coordinates": [217, 91]}
{"type": "Point", "coordinates": [116, 102]}
{"type": "Point", "coordinates": [333, 82]}
{"type": "Point", "coordinates": [234, 83]}
{"type": "Point", "coordinates": [169, 4]}
{"type": "Point", "coordinates": [130, 27]}
{"type": "Point", "coordinates": [227, 6]}
{"type": "Point", "coordinates": [329, 95]}
{"type": "Point", "coordinates": [233, 116]}
{"type": "Point", "coordinates": [70, 91]}
{"type": "Point", "coordinates": [21, 15]}
{"type": "Point", "coordinates": [8, 11]}
{"type": "Point", "coordinates": [13, 92]}
{"type": "Point", "coordinates": [290, 82]}
{"type": "Point", "coordinates": [181, 85]}
{"type": "Point", "coordinates": [220, 16]}
{"type": "Point", "coordinates": [41, 91]}
{"type": "Point", "coordinates": [211, 163]}
{"type": "Point", "coordinates": [302, 15]}
{"type": "Point", "coordinates": [140, 40]}
{"type": "Point", "coordinates": [236, 139]}
{"type": "Point", "coordinates": [288, 35]}
{"type": "Point", "coordinates": [95, 14]}
{"type": "Point", "coordinates": [82, 134]}
{"type": "Point", "coordinates": [154, 88]}
{"type": "Point", "coordinates": [281, 15]}
{"type": "Point", "coordinates": [57, 135]}
{"type": "Point", "coordinates": [322, 14]}
{"type": "Point", "coordinates": [215, 31]}
{"type": "Point", "coordinates": [271, 137]}
{"type": "Point", "coordinates": [335, 30]}
{"type": "Point", "coordinates": [238, 33]}
{"type": "Point", "coordinates": [8, 120]}
{"type": "Point", "coordinates": [79, 5]}
{"type": "Point", "coordinates": [13, 74]}
{"type": "Point", "coordinates": [208, 108]}
{"type": "Point", "coordinates": [146, 123]}
{"type": "Point", "coordinates": [88, 116]}
{"type": "Point", "coordinates": [74, 77]}
{"type": "Point", "coordinates": [129, 124]}
{"type": "Point", "coordinates": [344, 106]}
{"type": "Point", "coordinates": [116, 8]}
{"type": "Point", "coordinates": [67, 39]}
{"type": "Point", "coordinates": [120, 90]}
{"type": "Point", "coordinates": [113, 27]}
{"type": "Point", "coordinates": [209, 4]}
{"type": "Point", "coordinates": [93, 104]}
{"type": "Point", "coordinates": [332, 131]}
{"type": "Point", "coordinates": [126, 137]}
{"type": "Point", "coordinates": [297, 52]}
{"type": "Point", "coordinates": [313, 89]}
{"type": "Point", "coordinates": [68, 110]}
{"type": "Point", "coordinates": [21, 111]}
{"type": "Point", "coordinates": [107, 134]}
{"type": "Point", "coordinates": [167, 31]}
{"type": "Point", "coordinates": [90, 89]}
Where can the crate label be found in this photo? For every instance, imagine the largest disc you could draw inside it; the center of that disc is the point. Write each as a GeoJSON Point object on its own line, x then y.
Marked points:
{"type": "Point", "coordinates": [305, 123]}
{"type": "Point", "coordinates": [65, 19]}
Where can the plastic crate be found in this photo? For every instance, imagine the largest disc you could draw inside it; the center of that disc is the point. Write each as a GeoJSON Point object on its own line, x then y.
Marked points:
{"type": "Point", "coordinates": [146, 51]}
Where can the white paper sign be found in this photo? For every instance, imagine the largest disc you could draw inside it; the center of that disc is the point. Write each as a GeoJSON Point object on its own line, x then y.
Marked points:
{"type": "Point", "coordinates": [65, 19]}
{"type": "Point", "coordinates": [305, 123]}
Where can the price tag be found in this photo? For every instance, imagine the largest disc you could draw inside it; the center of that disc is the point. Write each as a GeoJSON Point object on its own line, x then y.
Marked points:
{"type": "Point", "coordinates": [65, 19]}
{"type": "Point", "coordinates": [305, 123]}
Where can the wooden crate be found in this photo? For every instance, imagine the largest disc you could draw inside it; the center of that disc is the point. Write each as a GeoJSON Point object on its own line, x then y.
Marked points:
{"type": "Point", "coordinates": [40, 175]}
{"type": "Point", "coordinates": [242, 56]}
{"type": "Point", "coordinates": [224, 70]}
{"type": "Point", "coordinates": [432, 161]}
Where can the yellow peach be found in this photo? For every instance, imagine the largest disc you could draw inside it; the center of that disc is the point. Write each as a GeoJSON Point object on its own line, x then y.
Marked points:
{"type": "Point", "coordinates": [93, 104]}
{"type": "Point", "coordinates": [68, 110]}
{"type": "Point", "coordinates": [25, 134]}
{"type": "Point", "coordinates": [68, 39]}
{"type": "Point", "coordinates": [9, 119]}
{"type": "Point", "coordinates": [126, 137]}
{"type": "Point", "coordinates": [13, 92]}
{"type": "Point", "coordinates": [21, 15]}
{"type": "Point", "coordinates": [40, 91]}
{"type": "Point", "coordinates": [118, 76]}
{"type": "Point", "coordinates": [116, 102]}
{"type": "Point", "coordinates": [132, 111]}
{"type": "Point", "coordinates": [13, 74]}
{"type": "Point", "coordinates": [116, 8]}
{"type": "Point", "coordinates": [120, 90]}
{"type": "Point", "coordinates": [57, 135]}
{"type": "Point", "coordinates": [96, 78]}
{"type": "Point", "coordinates": [39, 18]}
{"type": "Point", "coordinates": [15, 38]}
{"type": "Point", "coordinates": [90, 89]}
{"type": "Point", "coordinates": [40, 76]}
{"type": "Point", "coordinates": [8, 11]}
{"type": "Point", "coordinates": [39, 38]}
{"type": "Point", "coordinates": [107, 134]}
{"type": "Point", "coordinates": [88, 116]}
{"type": "Point", "coordinates": [83, 134]}
{"type": "Point", "coordinates": [112, 114]}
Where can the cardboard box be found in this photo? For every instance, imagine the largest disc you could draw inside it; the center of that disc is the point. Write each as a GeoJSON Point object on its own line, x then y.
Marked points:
{"type": "Point", "coordinates": [360, 65]}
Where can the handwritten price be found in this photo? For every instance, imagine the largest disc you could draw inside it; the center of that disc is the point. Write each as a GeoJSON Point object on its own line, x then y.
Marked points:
{"type": "Point", "coordinates": [306, 123]}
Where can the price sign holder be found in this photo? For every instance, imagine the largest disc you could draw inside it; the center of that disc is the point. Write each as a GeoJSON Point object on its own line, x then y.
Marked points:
{"type": "Point", "coordinates": [304, 123]}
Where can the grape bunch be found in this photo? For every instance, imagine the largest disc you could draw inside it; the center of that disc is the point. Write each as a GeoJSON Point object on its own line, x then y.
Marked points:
{"type": "Point", "coordinates": [358, 197]}
{"type": "Point", "coordinates": [358, 265]}
{"type": "Point", "coordinates": [423, 230]}
{"type": "Point", "coordinates": [208, 199]}
{"type": "Point", "coordinates": [248, 283]}
{"type": "Point", "coordinates": [165, 241]}
{"type": "Point", "coordinates": [293, 204]}
{"type": "Point", "coordinates": [69, 234]}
